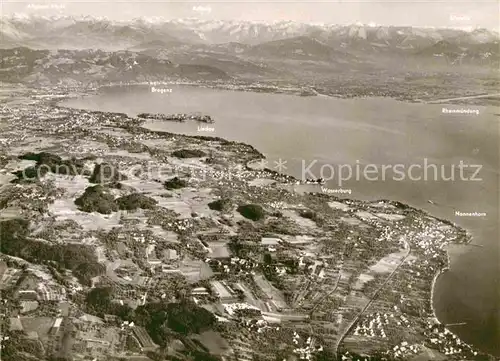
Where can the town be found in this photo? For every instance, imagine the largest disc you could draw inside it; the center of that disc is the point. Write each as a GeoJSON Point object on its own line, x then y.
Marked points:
{"type": "Point", "coordinates": [178, 117]}
{"type": "Point", "coordinates": [123, 260]}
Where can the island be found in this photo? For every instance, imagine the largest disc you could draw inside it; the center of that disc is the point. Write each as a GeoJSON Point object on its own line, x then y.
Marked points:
{"type": "Point", "coordinates": [179, 117]}
{"type": "Point", "coordinates": [119, 240]}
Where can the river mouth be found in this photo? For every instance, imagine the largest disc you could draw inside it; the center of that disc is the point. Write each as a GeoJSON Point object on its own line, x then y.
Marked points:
{"type": "Point", "coordinates": [333, 132]}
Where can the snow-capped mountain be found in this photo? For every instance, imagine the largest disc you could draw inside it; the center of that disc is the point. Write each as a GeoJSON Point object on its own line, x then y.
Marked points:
{"type": "Point", "coordinates": [21, 27]}
{"type": "Point", "coordinates": [80, 32]}
{"type": "Point", "coordinates": [321, 41]}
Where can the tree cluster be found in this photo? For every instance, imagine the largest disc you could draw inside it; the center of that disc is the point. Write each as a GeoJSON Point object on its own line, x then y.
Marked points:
{"type": "Point", "coordinates": [184, 318]}
{"type": "Point", "coordinates": [135, 200]}
{"type": "Point", "coordinates": [189, 153]}
{"type": "Point", "coordinates": [175, 183]}
{"type": "Point", "coordinates": [253, 212]}
{"type": "Point", "coordinates": [48, 162]}
{"type": "Point", "coordinates": [80, 259]}
{"type": "Point", "coordinates": [221, 205]}
{"type": "Point", "coordinates": [97, 199]}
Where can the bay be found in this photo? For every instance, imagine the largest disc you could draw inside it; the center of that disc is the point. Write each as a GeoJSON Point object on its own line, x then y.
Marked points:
{"type": "Point", "coordinates": [329, 133]}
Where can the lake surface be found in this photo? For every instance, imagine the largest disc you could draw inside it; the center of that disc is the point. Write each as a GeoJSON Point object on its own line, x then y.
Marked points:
{"type": "Point", "coordinates": [383, 132]}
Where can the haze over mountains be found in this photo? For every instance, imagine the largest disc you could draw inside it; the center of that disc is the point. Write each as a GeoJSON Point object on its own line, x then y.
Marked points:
{"type": "Point", "coordinates": [99, 49]}
{"type": "Point", "coordinates": [324, 39]}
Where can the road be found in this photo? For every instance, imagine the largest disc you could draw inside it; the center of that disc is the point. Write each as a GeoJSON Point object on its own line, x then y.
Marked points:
{"type": "Point", "coordinates": [437, 101]}
{"type": "Point", "coordinates": [356, 319]}
{"type": "Point", "coordinates": [317, 303]}
{"type": "Point", "coordinates": [67, 339]}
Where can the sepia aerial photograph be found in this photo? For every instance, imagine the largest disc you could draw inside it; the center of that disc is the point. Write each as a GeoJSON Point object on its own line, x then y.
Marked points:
{"type": "Point", "coordinates": [311, 180]}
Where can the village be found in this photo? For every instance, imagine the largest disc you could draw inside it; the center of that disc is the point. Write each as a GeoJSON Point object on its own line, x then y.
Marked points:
{"type": "Point", "coordinates": [184, 226]}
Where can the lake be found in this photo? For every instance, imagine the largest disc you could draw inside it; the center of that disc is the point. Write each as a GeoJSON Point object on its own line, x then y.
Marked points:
{"type": "Point", "coordinates": [320, 133]}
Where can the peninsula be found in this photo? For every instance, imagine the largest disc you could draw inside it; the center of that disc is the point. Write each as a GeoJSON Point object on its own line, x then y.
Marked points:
{"type": "Point", "coordinates": [107, 228]}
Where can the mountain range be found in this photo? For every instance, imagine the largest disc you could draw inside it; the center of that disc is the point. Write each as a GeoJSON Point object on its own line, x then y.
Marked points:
{"type": "Point", "coordinates": [68, 32]}
{"type": "Point", "coordinates": [72, 67]}
{"type": "Point", "coordinates": [37, 49]}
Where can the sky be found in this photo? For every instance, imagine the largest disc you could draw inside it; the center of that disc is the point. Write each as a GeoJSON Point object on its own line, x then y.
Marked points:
{"type": "Point", "coordinates": [436, 13]}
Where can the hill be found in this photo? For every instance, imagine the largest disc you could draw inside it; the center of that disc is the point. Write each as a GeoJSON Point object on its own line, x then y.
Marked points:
{"type": "Point", "coordinates": [95, 66]}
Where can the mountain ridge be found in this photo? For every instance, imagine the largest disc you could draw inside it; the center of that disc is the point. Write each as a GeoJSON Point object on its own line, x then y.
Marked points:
{"type": "Point", "coordinates": [16, 29]}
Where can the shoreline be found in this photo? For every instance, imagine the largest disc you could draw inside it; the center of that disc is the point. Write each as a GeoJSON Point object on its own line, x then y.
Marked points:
{"type": "Point", "coordinates": [440, 273]}
{"type": "Point", "coordinates": [433, 286]}
{"type": "Point", "coordinates": [85, 90]}
{"type": "Point", "coordinates": [257, 155]}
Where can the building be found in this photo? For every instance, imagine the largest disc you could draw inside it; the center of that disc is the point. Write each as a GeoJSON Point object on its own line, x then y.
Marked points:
{"type": "Point", "coordinates": [270, 241]}
{"type": "Point", "coordinates": [28, 306]}
{"type": "Point", "coordinates": [143, 338]}
{"type": "Point", "coordinates": [170, 255]}
{"type": "Point", "coordinates": [27, 295]}
{"type": "Point", "coordinates": [224, 292]}
{"type": "Point", "coordinates": [199, 291]}
{"type": "Point", "coordinates": [219, 252]}
{"type": "Point", "coordinates": [51, 292]}
{"type": "Point", "coordinates": [56, 326]}
{"type": "Point", "coordinates": [195, 270]}
{"type": "Point", "coordinates": [8, 276]}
